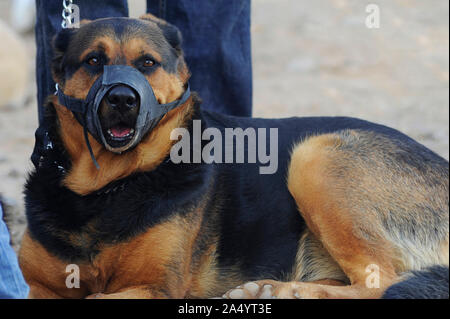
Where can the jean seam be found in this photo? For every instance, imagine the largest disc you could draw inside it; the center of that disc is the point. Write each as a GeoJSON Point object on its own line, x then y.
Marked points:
{"type": "Point", "coordinates": [162, 9]}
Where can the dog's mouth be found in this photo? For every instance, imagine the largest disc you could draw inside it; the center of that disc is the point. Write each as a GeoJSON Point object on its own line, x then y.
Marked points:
{"type": "Point", "coordinates": [119, 135]}
{"type": "Point", "coordinates": [118, 113]}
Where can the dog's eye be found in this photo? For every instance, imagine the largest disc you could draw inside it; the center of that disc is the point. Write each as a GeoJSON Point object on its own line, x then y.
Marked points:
{"type": "Point", "coordinates": [149, 62]}
{"type": "Point", "coordinates": [93, 61]}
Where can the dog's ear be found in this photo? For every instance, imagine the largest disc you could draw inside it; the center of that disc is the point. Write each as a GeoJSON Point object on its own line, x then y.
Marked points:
{"type": "Point", "coordinates": [170, 32]}
{"type": "Point", "coordinates": [61, 42]}
{"type": "Point", "coordinates": [175, 39]}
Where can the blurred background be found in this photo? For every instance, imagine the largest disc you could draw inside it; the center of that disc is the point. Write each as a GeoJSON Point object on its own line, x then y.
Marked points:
{"type": "Point", "coordinates": [310, 58]}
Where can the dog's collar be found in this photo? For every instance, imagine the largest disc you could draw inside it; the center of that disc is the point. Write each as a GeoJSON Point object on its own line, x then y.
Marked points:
{"type": "Point", "coordinates": [110, 189]}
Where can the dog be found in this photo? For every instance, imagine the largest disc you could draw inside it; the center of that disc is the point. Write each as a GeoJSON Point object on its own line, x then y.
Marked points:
{"type": "Point", "coordinates": [351, 208]}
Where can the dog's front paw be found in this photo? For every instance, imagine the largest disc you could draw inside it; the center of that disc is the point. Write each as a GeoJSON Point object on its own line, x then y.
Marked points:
{"type": "Point", "coordinates": [262, 289]}
{"type": "Point", "coordinates": [271, 289]}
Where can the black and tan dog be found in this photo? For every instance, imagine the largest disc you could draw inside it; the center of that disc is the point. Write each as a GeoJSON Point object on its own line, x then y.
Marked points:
{"type": "Point", "coordinates": [352, 206]}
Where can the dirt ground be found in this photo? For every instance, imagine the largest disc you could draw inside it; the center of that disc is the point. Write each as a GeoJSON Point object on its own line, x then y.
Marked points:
{"type": "Point", "coordinates": [311, 58]}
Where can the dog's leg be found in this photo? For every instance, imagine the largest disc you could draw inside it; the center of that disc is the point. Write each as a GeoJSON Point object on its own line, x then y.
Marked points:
{"type": "Point", "coordinates": [44, 273]}
{"type": "Point", "coordinates": [366, 204]}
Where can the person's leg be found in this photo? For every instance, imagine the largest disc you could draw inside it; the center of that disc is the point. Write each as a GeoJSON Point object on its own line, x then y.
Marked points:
{"type": "Point", "coordinates": [217, 49]}
{"type": "Point", "coordinates": [48, 23]}
{"type": "Point", "coordinates": [12, 283]}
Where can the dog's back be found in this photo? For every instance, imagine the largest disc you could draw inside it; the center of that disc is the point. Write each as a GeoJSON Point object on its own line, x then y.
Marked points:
{"type": "Point", "coordinates": [431, 283]}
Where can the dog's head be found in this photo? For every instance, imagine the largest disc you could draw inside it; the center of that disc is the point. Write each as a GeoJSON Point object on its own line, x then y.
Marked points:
{"type": "Point", "coordinates": [148, 44]}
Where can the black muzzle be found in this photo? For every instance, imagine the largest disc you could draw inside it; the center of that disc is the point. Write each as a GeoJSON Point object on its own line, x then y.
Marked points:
{"type": "Point", "coordinates": [150, 112]}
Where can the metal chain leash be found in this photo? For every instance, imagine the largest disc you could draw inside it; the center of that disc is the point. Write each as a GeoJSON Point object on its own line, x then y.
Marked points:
{"type": "Point", "coordinates": [68, 21]}
{"type": "Point", "coordinates": [67, 14]}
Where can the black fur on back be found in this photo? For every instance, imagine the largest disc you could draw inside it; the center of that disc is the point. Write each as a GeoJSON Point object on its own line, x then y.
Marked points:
{"type": "Point", "coordinates": [431, 283]}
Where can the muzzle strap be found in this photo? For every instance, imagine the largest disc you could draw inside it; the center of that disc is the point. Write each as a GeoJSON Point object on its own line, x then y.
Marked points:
{"type": "Point", "coordinates": [86, 139]}
{"type": "Point", "coordinates": [78, 107]}
{"type": "Point", "coordinates": [75, 105]}
{"type": "Point", "coordinates": [165, 108]}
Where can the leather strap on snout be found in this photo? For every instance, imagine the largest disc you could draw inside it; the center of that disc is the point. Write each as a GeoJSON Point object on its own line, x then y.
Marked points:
{"type": "Point", "coordinates": [79, 109]}
{"type": "Point", "coordinates": [165, 108]}
{"type": "Point", "coordinates": [73, 104]}
{"type": "Point", "coordinates": [79, 105]}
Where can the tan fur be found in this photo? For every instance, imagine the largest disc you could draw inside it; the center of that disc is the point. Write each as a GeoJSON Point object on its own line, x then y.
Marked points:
{"type": "Point", "coordinates": [204, 280]}
{"type": "Point", "coordinates": [104, 43]}
{"type": "Point", "coordinates": [44, 273]}
{"type": "Point", "coordinates": [157, 261]}
{"type": "Point", "coordinates": [314, 263]}
{"type": "Point", "coordinates": [334, 189]}
{"type": "Point", "coordinates": [135, 47]}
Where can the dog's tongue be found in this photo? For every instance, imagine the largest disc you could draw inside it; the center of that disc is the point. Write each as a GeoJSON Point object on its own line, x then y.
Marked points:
{"type": "Point", "coordinates": [119, 131]}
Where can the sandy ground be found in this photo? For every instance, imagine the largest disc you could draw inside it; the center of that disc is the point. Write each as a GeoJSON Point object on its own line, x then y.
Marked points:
{"type": "Point", "coordinates": [311, 58]}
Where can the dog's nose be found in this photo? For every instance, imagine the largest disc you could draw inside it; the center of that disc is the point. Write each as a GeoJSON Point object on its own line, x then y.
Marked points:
{"type": "Point", "coordinates": [122, 97]}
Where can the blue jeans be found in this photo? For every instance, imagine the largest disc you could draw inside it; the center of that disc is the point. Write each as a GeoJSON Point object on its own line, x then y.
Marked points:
{"type": "Point", "coordinates": [12, 284]}
{"type": "Point", "coordinates": [217, 49]}
{"type": "Point", "coordinates": [216, 44]}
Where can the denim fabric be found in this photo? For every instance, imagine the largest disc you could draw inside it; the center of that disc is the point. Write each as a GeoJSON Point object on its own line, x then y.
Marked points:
{"type": "Point", "coordinates": [217, 48]}
{"type": "Point", "coordinates": [12, 283]}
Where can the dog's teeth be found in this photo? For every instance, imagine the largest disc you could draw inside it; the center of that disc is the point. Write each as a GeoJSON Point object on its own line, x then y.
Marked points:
{"type": "Point", "coordinates": [127, 135]}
